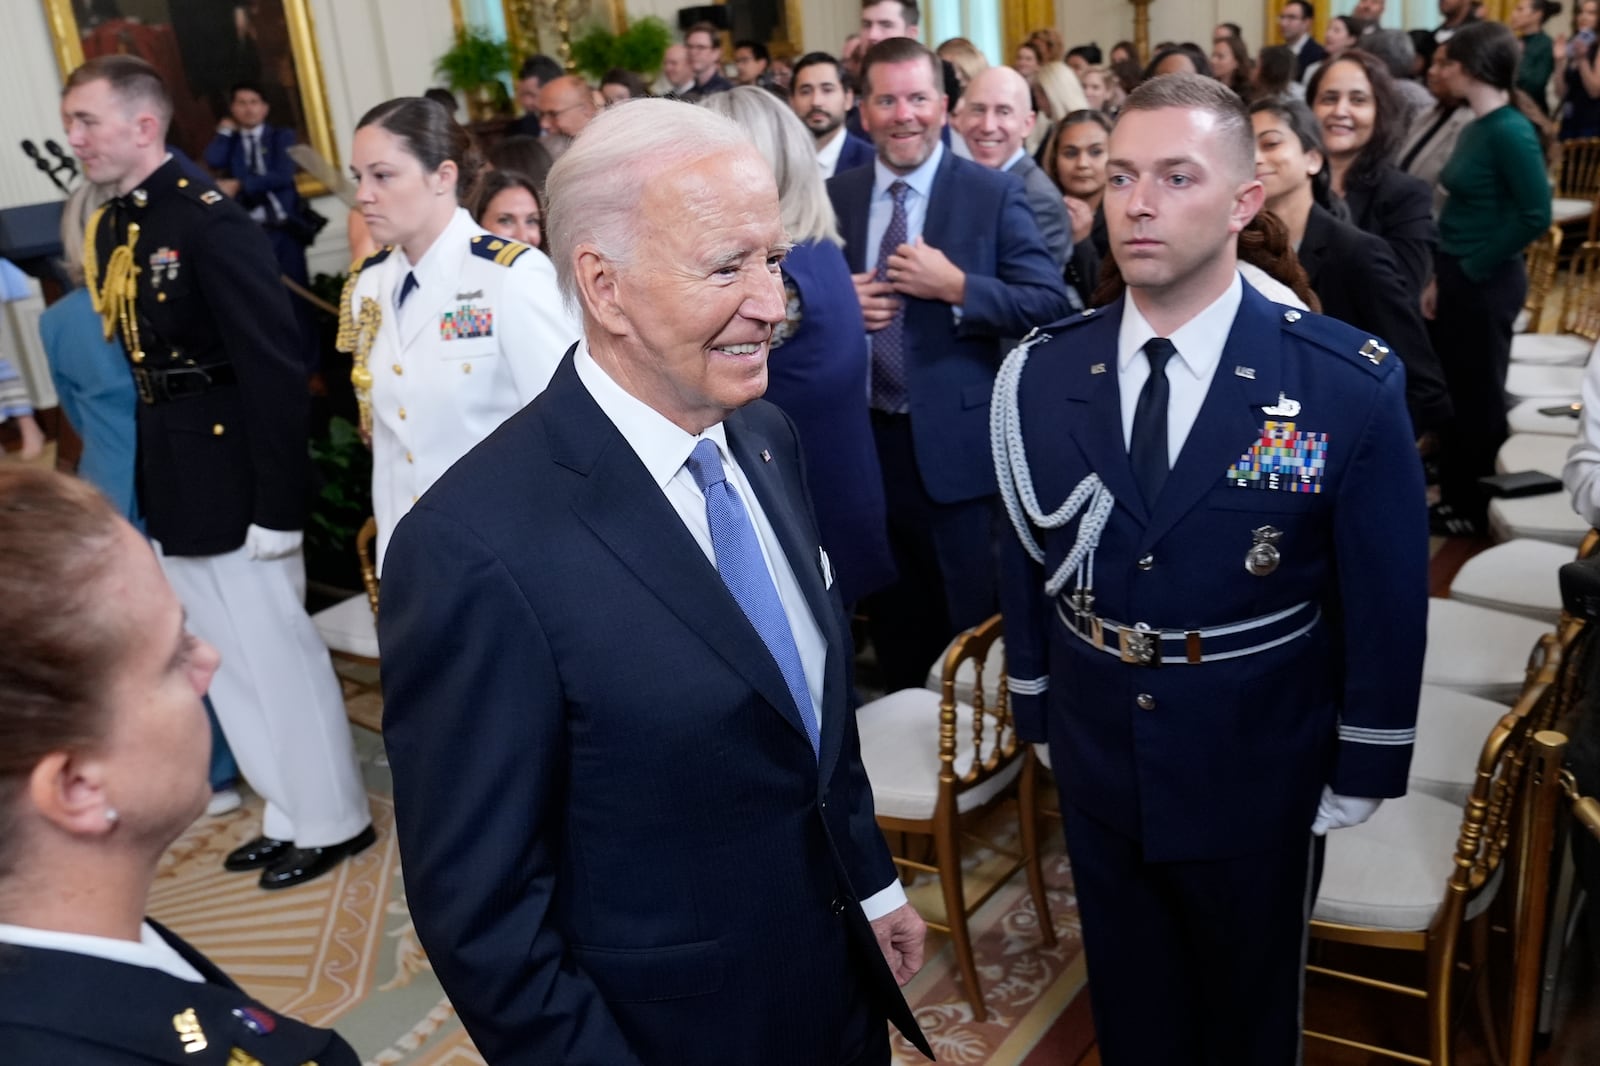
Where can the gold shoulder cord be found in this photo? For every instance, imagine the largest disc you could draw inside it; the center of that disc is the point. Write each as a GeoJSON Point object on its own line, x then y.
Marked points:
{"type": "Point", "coordinates": [115, 301]}
{"type": "Point", "coordinates": [357, 331]}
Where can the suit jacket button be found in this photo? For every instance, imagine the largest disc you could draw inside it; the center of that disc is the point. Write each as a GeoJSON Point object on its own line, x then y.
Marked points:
{"type": "Point", "coordinates": [1147, 562]}
{"type": "Point", "coordinates": [1145, 701]}
{"type": "Point", "coordinates": [838, 905]}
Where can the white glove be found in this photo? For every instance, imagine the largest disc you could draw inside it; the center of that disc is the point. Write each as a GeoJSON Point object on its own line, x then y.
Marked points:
{"type": "Point", "coordinates": [1342, 812]}
{"type": "Point", "coordinates": [263, 543]}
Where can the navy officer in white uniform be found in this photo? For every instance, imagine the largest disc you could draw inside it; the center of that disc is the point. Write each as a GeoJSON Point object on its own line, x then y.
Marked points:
{"type": "Point", "coordinates": [453, 330]}
{"type": "Point", "coordinates": [1215, 599]}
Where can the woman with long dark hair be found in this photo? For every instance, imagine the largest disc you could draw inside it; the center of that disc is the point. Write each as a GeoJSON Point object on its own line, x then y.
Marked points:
{"type": "Point", "coordinates": [1499, 202]}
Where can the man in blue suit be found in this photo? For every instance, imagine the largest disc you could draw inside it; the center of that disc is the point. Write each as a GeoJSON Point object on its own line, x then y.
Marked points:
{"type": "Point", "coordinates": [651, 840]}
{"type": "Point", "coordinates": [822, 98]}
{"type": "Point", "coordinates": [947, 260]}
{"type": "Point", "coordinates": [251, 160]}
{"type": "Point", "coordinates": [1215, 597]}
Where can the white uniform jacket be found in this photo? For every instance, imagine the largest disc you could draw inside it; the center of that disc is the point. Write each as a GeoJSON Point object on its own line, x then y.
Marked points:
{"type": "Point", "coordinates": [477, 339]}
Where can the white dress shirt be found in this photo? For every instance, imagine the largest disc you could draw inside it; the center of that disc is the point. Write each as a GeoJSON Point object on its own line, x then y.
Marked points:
{"type": "Point", "coordinates": [1199, 343]}
{"type": "Point", "coordinates": [828, 154]}
{"type": "Point", "coordinates": [664, 450]}
{"type": "Point", "coordinates": [882, 203]}
{"type": "Point", "coordinates": [150, 951]}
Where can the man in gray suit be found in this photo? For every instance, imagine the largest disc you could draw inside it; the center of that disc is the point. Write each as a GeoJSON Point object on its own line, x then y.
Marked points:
{"type": "Point", "coordinates": [995, 117]}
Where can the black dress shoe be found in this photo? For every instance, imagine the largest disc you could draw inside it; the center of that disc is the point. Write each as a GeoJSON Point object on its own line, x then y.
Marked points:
{"type": "Point", "coordinates": [262, 851]}
{"type": "Point", "coordinates": [299, 865]}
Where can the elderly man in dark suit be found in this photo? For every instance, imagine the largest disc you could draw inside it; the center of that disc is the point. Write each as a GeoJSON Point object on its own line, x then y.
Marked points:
{"type": "Point", "coordinates": [655, 842]}
{"type": "Point", "coordinates": [947, 261]}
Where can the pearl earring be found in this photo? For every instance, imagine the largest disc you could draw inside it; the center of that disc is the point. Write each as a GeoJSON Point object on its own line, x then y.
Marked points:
{"type": "Point", "coordinates": [112, 815]}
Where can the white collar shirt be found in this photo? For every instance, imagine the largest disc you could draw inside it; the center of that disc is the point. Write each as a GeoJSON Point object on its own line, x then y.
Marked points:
{"type": "Point", "coordinates": [149, 951]}
{"type": "Point", "coordinates": [828, 154]}
{"type": "Point", "coordinates": [1199, 343]}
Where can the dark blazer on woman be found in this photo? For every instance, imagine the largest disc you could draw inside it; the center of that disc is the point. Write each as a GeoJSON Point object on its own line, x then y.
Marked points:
{"type": "Point", "coordinates": [818, 376]}
{"type": "Point", "coordinates": [60, 1007]}
{"type": "Point", "coordinates": [1399, 208]}
{"type": "Point", "coordinates": [1358, 281]}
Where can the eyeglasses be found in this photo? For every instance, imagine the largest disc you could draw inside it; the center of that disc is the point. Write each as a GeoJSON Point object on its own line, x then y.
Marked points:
{"type": "Point", "coordinates": [701, 47]}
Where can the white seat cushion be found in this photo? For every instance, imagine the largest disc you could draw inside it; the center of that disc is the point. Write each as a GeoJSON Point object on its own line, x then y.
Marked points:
{"type": "Point", "coordinates": [1451, 729]}
{"type": "Point", "coordinates": [1551, 349]}
{"type": "Point", "coordinates": [993, 668]}
{"type": "Point", "coordinates": [1478, 651]}
{"type": "Point", "coordinates": [1520, 323]}
{"type": "Point", "coordinates": [349, 627]}
{"type": "Point", "coordinates": [1569, 209]}
{"type": "Point", "coordinates": [1547, 517]}
{"type": "Point", "coordinates": [1529, 417]}
{"type": "Point", "coordinates": [1520, 576]}
{"type": "Point", "coordinates": [1390, 872]}
{"type": "Point", "coordinates": [1532, 451]}
{"type": "Point", "coordinates": [1529, 381]}
{"type": "Point", "coordinates": [1043, 752]}
{"type": "Point", "coordinates": [900, 749]}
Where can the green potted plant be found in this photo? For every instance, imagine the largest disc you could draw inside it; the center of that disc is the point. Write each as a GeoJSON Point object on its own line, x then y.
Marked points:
{"type": "Point", "coordinates": [639, 48]}
{"type": "Point", "coordinates": [475, 66]}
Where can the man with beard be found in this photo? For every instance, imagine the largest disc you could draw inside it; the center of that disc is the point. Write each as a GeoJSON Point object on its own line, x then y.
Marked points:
{"type": "Point", "coordinates": [821, 97]}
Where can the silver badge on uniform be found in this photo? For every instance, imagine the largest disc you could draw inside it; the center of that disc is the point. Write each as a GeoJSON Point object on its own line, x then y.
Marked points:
{"type": "Point", "coordinates": [1284, 408]}
{"type": "Point", "coordinates": [1263, 557]}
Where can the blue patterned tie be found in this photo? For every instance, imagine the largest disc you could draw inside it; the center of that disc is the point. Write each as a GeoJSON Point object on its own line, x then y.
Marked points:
{"type": "Point", "coordinates": [407, 287]}
{"type": "Point", "coordinates": [744, 571]}
{"type": "Point", "coordinates": [889, 343]}
{"type": "Point", "coordinates": [1147, 444]}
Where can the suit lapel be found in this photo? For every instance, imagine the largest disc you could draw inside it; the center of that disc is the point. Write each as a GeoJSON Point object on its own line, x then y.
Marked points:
{"type": "Point", "coordinates": [623, 506]}
{"type": "Point", "coordinates": [941, 213]}
{"type": "Point", "coordinates": [857, 190]}
{"type": "Point", "coordinates": [1230, 416]}
{"type": "Point", "coordinates": [1097, 421]}
{"type": "Point", "coordinates": [749, 447]}
{"type": "Point", "coordinates": [1314, 244]}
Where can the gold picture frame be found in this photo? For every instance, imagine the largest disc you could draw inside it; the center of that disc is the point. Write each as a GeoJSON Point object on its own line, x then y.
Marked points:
{"type": "Point", "coordinates": [275, 44]}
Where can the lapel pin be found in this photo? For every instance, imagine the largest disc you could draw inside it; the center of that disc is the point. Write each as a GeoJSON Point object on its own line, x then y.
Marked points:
{"type": "Point", "coordinates": [1373, 351]}
{"type": "Point", "coordinates": [1098, 368]}
{"type": "Point", "coordinates": [766, 456]}
{"type": "Point", "coordinates": [1246, 372]}
{"type": "Point", "coordinates": [1285, 407]}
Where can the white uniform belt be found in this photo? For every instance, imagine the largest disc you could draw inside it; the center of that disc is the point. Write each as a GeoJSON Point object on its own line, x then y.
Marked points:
{"type": "Point", "coordinates": [1140, 644]}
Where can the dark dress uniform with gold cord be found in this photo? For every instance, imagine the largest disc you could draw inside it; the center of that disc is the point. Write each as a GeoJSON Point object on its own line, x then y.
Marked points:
{"type": "Point", "coordinates": [187, 282]}
{"type": "Point", "coordinates": [61, 1007]}
{"type": "Point", "coordinates": [1204, 664]}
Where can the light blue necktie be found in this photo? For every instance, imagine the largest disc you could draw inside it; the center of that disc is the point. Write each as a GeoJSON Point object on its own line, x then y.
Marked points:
{"type": "Point", "coordinates": [744, 571]}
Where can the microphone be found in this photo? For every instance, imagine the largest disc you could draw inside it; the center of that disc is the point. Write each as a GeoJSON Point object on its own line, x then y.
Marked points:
{"type": "Point", "coordinates": [31, 150]}
{"type": "Point", "coordinates": [68, 162]}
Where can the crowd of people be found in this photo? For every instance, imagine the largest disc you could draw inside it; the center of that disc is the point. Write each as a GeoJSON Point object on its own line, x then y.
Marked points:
{"type": "Point", "coordinates": [662, 389]}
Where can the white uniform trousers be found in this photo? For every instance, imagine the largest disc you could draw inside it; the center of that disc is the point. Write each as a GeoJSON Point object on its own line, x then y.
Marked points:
{"type": "Point", "coordinates": [276, 694]}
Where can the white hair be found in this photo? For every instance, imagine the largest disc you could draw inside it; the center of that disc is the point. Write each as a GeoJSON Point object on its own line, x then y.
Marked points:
{"type": "Point", "coordinates": [595, 188]}
{"type": "Point", "coordinates": [1061, 89]}
{"type": "Point", "coordinates": [788, 147]}
{"type": "Point", "coordinates": [84, 201]}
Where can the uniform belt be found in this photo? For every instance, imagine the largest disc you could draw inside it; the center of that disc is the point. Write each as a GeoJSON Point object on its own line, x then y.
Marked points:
{"type": "Point", "coordinates": [157, 385]}
{"type": "Point", "coordinates": [1143, 645]}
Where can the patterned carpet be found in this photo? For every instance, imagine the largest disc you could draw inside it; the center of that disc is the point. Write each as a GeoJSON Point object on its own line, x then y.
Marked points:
{"type": "Point", "coordinates": [341, 951]}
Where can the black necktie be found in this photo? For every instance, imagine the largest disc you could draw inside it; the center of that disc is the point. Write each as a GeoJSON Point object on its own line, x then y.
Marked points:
{"type": "Point", "coordinates": [1148, 446]}
{"type": "Point", "coordinates": [410, 284]}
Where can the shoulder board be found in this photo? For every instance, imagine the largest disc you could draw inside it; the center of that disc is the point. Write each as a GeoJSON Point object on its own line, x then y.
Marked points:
{"type": "Point", "coordinates": [498, 249]}
{"type": "Point", "coordinates": [198, 191]}
{"type": "Point", "coordinates": [1355, 347]}
{"type": "Point", "coordinates": [372, 260]}
{"type": "Point", "coordinates": [1077, 318]}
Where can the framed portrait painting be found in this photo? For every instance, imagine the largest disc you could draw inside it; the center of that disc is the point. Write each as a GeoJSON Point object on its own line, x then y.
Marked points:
{"type": "Point", "coordinates": [203, 48]}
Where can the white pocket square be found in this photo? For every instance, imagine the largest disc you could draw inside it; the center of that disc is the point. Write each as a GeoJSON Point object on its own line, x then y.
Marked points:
{"type": "Point", "coordinates": [827, 569]}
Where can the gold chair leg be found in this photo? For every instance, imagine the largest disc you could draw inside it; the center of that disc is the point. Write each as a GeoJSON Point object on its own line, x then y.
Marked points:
{"type": "Point", "coordinates": [1441, 970]}
{"type": "Point", "coordinates": [1483, 975]}
{"type": "Point", "coordinates": [948, 848]}
{"type": "Point", "coordinates": [1028, 815]}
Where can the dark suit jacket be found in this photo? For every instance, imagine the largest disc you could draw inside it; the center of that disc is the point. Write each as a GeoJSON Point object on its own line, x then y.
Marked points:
{"type": "Point", "coordinates": [225, 155]}
{"type": "Point", "coordinates": [856, 152]}
{"type": "Point", "coordinates": [980, 219]}
{"type": "Point", "coordinates": [59, 1007]}
{"type": "Point", "coordinates": [717, 83]}
{"type": "Point", "coordinates": [1358, 281]}
{"type": "Point", "coordinates": [1399, 208]}
{"type": "Point", "coordinates": [1225, 758]}
{"type": "Point", "coordinates": [1310, 52]}
{"type": "Point", "coordinates": [1055, 225]}
{"type": "Point", "coordinates": [619, 846]}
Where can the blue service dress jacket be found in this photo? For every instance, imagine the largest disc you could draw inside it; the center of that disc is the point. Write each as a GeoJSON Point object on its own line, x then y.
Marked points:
{"type": "Point", "coordinates": [818, 376]}
{"type": "Point", "coordinates": [619, 845]}
{"type": "Point", "coordinates": [61, 1007]}
{"type": "Point", "coordinates": [1302, 443]}
{"type": "Point", "coordinates": [980, 219]}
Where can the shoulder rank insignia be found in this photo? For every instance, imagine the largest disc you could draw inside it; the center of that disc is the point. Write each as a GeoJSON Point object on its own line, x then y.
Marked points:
{"type": "Point", "coordinates": [498, 249]}
{"type": "Point", "coordinates": [211, 196]}
{"type": "Point", "coordinates": [1373, 352]}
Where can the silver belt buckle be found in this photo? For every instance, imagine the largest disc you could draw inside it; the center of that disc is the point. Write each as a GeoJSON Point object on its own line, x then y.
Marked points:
{"type": "Point", "coordinates": [1140, 646]}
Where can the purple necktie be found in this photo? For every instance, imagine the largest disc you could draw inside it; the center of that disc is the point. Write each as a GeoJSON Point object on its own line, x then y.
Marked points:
{"type": "Point", "coordinates": [889, 343]}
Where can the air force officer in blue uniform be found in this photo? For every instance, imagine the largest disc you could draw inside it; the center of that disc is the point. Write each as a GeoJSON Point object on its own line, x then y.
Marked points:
{"type": "Point", "coordinates": [628, 786]}
{"type": "Point", "coordinates": [1215, 599]}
